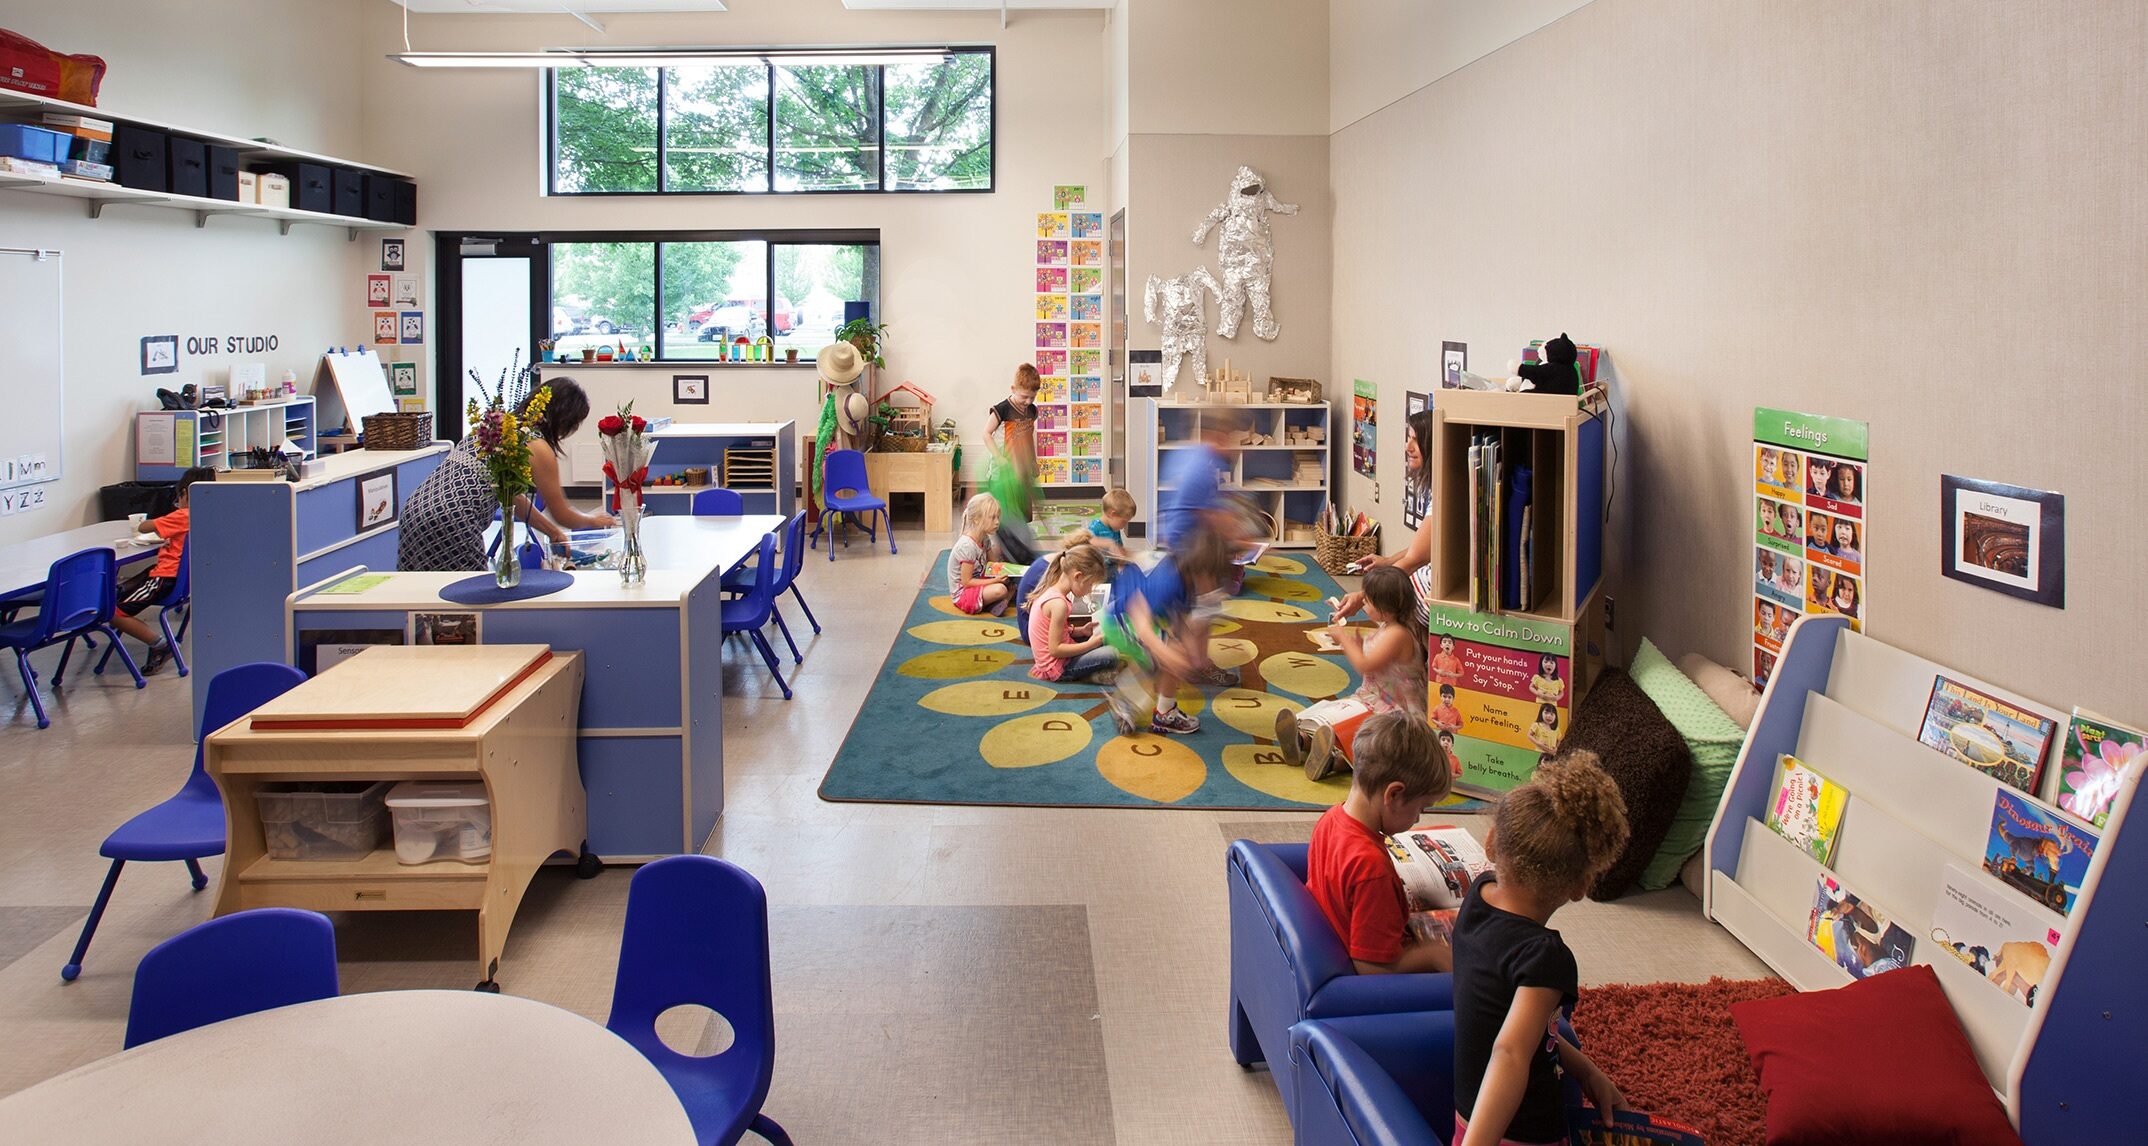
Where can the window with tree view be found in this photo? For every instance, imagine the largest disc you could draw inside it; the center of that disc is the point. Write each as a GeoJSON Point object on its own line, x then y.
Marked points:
{"type": "Point", "coordinates": [689, 298]}
{"type": "Point", "coordinates": [921, 124]}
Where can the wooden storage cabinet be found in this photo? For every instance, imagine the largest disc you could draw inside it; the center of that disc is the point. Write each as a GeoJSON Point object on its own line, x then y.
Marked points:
{"type": "Point", "coordinates": [1289, 481]}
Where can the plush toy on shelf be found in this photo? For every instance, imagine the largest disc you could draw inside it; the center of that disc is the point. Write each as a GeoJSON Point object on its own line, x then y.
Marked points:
{"type": "Point", "coordinates": [1555, 372]}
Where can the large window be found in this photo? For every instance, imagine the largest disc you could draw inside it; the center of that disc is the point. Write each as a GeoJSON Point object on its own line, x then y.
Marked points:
{"type": "Point", "coordinates": [687, 297]}
{"type": "Point", "coordinates": [758, 127]}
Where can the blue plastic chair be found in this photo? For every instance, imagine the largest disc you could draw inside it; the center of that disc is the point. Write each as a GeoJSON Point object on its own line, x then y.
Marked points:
{"type": "Point", "coordinates": [178, 598]}
{"type": "Point", "coordinates": [190, 825]}
{"type": "Point", "coordinates": [719, 502]}
{"type": "Point", "coordinates": [241, 963]}
{"type": "Point", "coordinates": [80, 596]}
{"type": "Point", "coordinates": [844, 470]}
{"type": "Point", "coordinates": [741, 579]}
{"type": "Point", "coordinates": [697, 933]}
{"type": "Point", "coordinates": [750, 613]}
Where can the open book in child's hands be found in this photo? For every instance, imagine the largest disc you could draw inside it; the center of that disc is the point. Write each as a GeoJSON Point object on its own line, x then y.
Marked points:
{"type": "Point", "coordinates": [1437, 863]}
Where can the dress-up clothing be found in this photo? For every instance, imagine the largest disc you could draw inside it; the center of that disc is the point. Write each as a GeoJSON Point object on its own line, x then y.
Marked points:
{"type": "Point", "coordinates": [443, 521]}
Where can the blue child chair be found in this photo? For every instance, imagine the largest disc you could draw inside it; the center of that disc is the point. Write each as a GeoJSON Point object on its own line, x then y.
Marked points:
{"type": "Point", "coordinates": [236, 965]}
{"type": "Point", "coordinates": [178, 598]}
{"type": "Point", "coordinates": [750, 613]}
{"type": "Point", "coordinates": [190, 825]}
{"type": "Point", "coordinates": [719, 502]}
{"type": "Point", "coordinates": [697, 933]}
{"type": "Point", "coordinates": [80, 596]}
{"type": "Point", "coordinates": [846, 490]}
{"type": "Point", "coordinates": [741, 579]}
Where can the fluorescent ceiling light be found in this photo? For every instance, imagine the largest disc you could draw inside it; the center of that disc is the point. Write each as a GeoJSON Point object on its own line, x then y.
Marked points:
{"type": "Point", "coordinates": [671, 57]}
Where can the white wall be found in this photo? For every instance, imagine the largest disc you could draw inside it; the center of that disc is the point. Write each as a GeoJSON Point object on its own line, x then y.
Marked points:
{"type": "Point", "coordinates": [255, 69]}
{"type": "Point", "coordinates": [1382, 50]}
{"type": "Point", "coordinates": [956, 270]}
{"type": "Point", "coordinates": [1923, 215]}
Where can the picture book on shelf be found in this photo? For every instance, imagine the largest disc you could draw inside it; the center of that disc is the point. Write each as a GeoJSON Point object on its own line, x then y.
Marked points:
{"type": "Point", "coordinates": [2001, 740]}
{"type": "Point", "coordinates": [1437, 863]}
{"type": "Point", "coordinates": [2009, 944]}
{"type": "Point", "coordinates": [1629, 1128]}
{"type": "Point", "coordinates": [2099, 757]}
{"type": "Point", "coordinates": [1807, 808]}
{"type": "Point", "coordinates": [2038, 852]}
{"type": "Point", "coordinates": [1854, 933]}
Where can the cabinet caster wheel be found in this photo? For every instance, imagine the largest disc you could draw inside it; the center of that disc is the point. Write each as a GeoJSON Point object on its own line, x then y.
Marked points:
{"type": "Point", "coordinates": [587, 865]}
{"type": "Point", "coordinates": [489, 986]}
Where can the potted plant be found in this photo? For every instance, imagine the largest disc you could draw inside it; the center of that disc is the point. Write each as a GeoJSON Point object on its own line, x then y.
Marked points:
{"type": "Point", "coordinates": [866, 335]}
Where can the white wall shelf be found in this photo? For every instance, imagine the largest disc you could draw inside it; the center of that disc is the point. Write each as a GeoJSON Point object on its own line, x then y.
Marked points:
{"type": "Point", "coordinates": [252, 149]}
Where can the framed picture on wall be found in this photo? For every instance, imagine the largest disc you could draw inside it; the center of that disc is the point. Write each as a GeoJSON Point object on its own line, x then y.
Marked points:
{"type": "Point", "coordinates": [160, 354]}
{"type": "Point", "coordinates": [376, 500]}
{"type": "Point", "coordinates": [413, 327]}
{"type": "Point", "coordinates": [384, 328]}
{"type": "Point", "coordinates": [690, 389]}
{"type": "Point", "coordinates": [376, 290]}
{"type": "Point", "coordinates": [391, 254]}
{"type": "Point", "coordinates": [1454, 361]}
{"type": "Point", "coordinates": [403, 378]}
{"type": "Point", "coordinates": [2003, 537]}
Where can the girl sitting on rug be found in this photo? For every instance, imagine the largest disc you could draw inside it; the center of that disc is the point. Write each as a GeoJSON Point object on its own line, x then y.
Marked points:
{"type": "Point", "coordinates": [1391, 664]}
{"type": "Point", "coordinates": [968, 563]}
{"type": "Point", "coordinates": [1513, 975]}
{"type": "Point", "coordinates": [1062, 649]}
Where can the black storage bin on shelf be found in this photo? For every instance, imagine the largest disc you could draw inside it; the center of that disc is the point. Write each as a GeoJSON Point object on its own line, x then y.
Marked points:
{"type": "Point", "coordinates": [350, 192]}
{"type": "Point", "coordinates": [406, 203]}
{"type": "Point", "coordinates": [379, 197]}
{"type": "Point", "coordinates": [138, 158]}
{"type": "Point", "coordinates": [312, 185]}
{"type": "Point", "coordinates": [155, 498]}
{"type": "Point", "coordinates": [223, 173]}
{"type": "Point", "coordinates": [190, 167]}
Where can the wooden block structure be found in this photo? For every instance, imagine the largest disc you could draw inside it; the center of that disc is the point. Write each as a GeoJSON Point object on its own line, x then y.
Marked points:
{"type": "Point", "coordinates": [1228, 387]}
{"type": "Point", "coordinates": [1499, 690]}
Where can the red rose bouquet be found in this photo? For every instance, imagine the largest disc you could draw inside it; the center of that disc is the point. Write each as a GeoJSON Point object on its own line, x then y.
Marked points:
{"type": "Point", "coordinates": [624, 438]}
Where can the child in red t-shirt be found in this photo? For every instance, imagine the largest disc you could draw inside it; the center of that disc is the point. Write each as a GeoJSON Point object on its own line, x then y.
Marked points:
{"type": "Point", "coordinates": [1397, 771]}
{"type": "Point", "coordinates": [141, 592]}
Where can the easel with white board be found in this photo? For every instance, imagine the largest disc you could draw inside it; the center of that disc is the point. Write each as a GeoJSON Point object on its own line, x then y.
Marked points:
{"type": "Point", "coordinates": [349, 385]}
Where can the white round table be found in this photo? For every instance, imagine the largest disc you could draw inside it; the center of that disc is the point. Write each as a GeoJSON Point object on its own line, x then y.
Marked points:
{"type": "Point", "coordinates": [385, 1067]}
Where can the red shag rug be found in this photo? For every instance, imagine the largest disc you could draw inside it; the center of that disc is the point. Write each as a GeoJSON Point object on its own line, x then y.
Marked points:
{"type": "Point", "coordinates": [1674, 1051]}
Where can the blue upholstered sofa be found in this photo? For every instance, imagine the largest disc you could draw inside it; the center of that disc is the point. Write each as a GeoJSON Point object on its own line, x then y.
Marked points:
{"type": "Point", "coordinates": [1374, 1080]}
{"type": "Point", "coordinates": [1288, 965]}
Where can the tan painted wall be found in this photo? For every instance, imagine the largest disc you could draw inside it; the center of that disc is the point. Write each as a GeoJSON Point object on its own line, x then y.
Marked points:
{"type": "Point", "coordinates": [1924, 215]}
{"type": "Point", "coordinates": [1382, 50]}
{"type": "Point", "coordinates": [1228, 67]}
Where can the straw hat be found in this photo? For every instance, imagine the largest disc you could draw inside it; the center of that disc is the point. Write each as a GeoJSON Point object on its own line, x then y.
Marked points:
{"type": "Point", "coordinates": [841, 363]}
{"type": "Point", "coordinates": [851, 410]}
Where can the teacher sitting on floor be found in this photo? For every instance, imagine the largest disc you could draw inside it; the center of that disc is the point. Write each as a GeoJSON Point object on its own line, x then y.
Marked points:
{"type": "Point", "coordinates": [444, 521]}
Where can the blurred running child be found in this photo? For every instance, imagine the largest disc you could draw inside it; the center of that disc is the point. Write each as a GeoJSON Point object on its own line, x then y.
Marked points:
{"type": "Point", "coordinates": [1152, 623]}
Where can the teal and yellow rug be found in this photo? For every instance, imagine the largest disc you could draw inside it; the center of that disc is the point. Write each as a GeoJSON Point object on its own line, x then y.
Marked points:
{"type": "Point", "coordinates": [955, 718]}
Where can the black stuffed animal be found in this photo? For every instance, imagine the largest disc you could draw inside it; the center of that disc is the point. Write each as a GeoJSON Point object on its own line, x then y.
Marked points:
{"type": "Point", "coordinates": [1554, 371]}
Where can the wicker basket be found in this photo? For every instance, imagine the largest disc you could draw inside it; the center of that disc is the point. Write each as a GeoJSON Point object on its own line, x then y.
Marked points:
{"type": "Point", "coordinates": [398, 431]}
{"type": "Point", "coordinates": [898, 443]}
{"type": "Point", "coordinates": [1337, 553]}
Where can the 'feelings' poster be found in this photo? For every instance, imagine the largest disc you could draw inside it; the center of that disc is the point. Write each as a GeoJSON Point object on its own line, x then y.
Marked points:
{"type": "Point", "coordinates": [1809, 540]}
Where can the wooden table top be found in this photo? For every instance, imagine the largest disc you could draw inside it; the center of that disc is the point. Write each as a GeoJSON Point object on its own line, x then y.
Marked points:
{"type": "Point", "coordinates": [412, 686]}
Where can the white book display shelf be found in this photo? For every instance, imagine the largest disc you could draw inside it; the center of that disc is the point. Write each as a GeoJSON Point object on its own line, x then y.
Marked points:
{"type": "Point", "coordinates": [1851, 706]}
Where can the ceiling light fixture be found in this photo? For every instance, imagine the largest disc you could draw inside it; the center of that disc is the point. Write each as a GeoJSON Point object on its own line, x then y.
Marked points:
{"type": "Point", "coordinates": [673, 57]}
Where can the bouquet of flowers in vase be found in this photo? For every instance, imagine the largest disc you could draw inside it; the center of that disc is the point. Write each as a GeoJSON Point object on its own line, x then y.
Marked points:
{"type": "Point", "coordinates": [503, 446]}
{"type": "Point", "coordinates": [624, 439]}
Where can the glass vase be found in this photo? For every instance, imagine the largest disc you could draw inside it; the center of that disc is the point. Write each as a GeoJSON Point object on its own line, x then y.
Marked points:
{"type": "Point", "coordinates": [506, 561]}
{"type": "Point", "coordinates": [633, 566]}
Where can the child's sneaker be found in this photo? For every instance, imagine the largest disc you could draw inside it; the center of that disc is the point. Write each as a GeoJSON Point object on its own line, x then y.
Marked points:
{"type": "Point", "coordinates": [1122, 710]}
{"type": "Point", "coordinates": [1214, 677]}
{"type": "Point", "coordinates": [160, 654]}
{"type": "Point", "coordinates": [1286, 738]}
{"type": "Point", "coordinates": [1174, 721]}
{"type": "Point", "coordinates": [1320, 754]}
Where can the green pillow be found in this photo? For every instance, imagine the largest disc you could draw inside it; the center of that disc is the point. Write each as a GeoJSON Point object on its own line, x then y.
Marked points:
{"type": "Point", "coordinates": [1715, 740]}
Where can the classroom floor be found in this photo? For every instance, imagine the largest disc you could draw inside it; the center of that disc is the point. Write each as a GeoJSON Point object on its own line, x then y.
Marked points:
{"type": "Point", "coordinates": [943, 974]}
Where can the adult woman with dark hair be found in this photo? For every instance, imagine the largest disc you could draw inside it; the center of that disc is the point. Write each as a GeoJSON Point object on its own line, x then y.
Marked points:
{"type": "Point", "coordinates": [1417, 460]}
{"type": "Point", "coordinates": [444, 520]}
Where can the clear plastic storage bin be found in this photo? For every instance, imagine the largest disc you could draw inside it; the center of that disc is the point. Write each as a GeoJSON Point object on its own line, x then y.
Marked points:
{"type": "Point", "coordinates": [441, 820]}
{"type": "Point", "coordinates": [332, 820]}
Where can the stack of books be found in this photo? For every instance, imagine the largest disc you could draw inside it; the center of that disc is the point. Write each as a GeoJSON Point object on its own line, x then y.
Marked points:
{"type": "Point", "coordinates": [90, 155]}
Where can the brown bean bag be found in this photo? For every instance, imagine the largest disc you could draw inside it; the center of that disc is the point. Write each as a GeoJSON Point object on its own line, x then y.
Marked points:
{"type": "Point", "coordinates": [1643, 753]}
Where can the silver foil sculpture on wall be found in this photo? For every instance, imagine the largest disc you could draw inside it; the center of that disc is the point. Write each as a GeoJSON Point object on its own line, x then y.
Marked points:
{"type": "Point", "coordinates": [1177, 305]}
{"type": "Point", "coordinates": [1247, 252]}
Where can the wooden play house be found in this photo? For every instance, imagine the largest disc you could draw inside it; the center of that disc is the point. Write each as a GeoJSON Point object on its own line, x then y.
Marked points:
{"type": "Point", "coordinates": [909, 428]}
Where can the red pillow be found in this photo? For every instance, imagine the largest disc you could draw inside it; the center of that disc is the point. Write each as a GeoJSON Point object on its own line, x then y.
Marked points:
{"type": "Point", "coordinates": [1881, 1060]}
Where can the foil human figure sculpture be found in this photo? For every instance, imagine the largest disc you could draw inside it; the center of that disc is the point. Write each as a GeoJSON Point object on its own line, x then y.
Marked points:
{"type": "Point", "coordinates": [1247, 252]}
{"type": "Point", "coordinates": [1176, 305]}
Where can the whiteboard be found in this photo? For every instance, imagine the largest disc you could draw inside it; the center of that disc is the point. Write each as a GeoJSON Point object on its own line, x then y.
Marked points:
{"type": "Point", "coordinates": [349, 387]}
{"type": "Point", "coordinates": [30, 330]}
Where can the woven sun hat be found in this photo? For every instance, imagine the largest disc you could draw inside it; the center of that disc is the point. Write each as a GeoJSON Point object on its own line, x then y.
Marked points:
{"type": "Point", "coordinates": [841, 363]}
{"type": "Point", "coordinates": [851, 410]}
